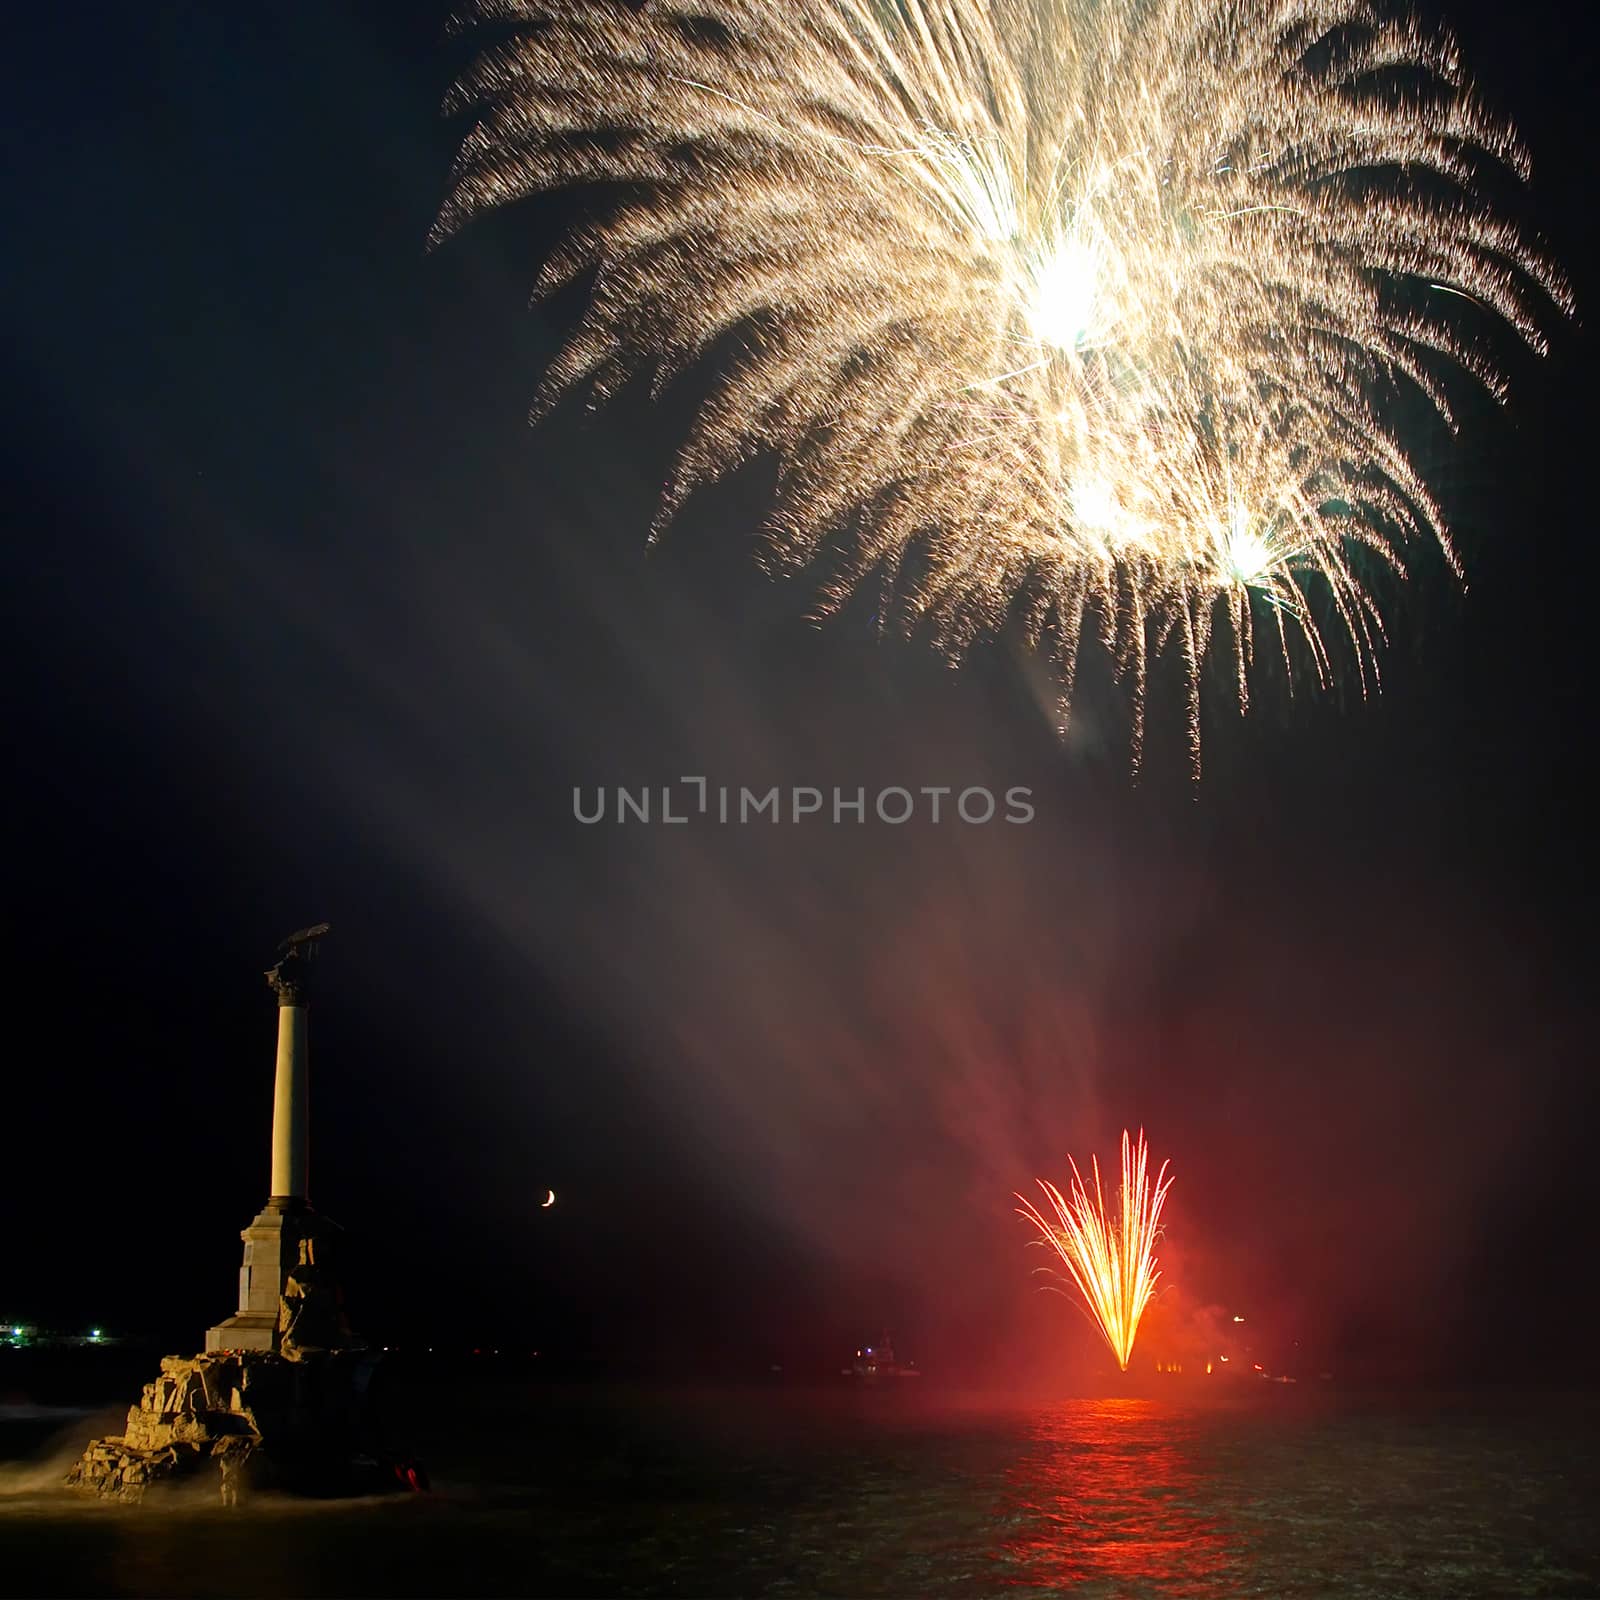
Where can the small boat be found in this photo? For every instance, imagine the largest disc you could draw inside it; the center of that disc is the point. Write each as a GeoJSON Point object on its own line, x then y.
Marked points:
{"type": "Point", "coordinates": [877, 1361]}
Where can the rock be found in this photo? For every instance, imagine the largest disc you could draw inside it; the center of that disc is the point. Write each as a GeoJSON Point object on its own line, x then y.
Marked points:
{"type": "Point", "coordinates": [236, 1414]}
{"type": "Point", "coordinates": [217, 1376]}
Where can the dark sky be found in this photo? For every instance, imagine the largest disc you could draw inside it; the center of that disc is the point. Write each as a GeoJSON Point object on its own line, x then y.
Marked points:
{"type": "Point", "coordinates": [303, 622]}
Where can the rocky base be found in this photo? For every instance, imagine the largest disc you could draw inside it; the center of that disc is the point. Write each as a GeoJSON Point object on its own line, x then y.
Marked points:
{"type": "Point", "coordinates": [246, 1419]}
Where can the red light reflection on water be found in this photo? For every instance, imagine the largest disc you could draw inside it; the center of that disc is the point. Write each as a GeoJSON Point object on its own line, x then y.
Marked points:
{"type": "Point", "coordinates": [1114, 1496]}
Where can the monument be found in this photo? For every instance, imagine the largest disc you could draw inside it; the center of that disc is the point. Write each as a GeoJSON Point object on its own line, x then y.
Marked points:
{"type": "Point", "coordinates": [273, 1241]}
{"type": "Point", "coordinates": [278, 1398]}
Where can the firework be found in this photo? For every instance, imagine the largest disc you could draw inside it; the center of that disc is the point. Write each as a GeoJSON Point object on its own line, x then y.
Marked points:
{"type": "Point", "coordinates": [1110, 1255]}
{"type": "Point", "coordinates": [1060, 314]}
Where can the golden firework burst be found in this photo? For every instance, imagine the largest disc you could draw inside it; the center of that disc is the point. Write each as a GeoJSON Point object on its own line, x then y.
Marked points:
{"type": "Point", "coordinates": [1052, 312]}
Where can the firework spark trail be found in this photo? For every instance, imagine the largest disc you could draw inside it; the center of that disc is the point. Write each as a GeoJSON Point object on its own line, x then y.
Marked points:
{"type": "Point", "coordinates": [1111, 1257]}
{"type": "Point", "coordinates": [1054, 313]}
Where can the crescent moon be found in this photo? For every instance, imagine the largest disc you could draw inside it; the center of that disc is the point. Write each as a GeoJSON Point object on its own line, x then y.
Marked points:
{"type": "Point", "coordinates": [548, 1201]}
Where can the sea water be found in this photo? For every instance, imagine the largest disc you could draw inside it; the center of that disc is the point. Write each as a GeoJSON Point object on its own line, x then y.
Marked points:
{"type": "Point", "coordinates": [1211, 1493]}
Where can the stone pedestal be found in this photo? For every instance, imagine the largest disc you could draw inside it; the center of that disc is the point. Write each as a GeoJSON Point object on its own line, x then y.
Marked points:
{"type": "Point", "coordinates": [271, 1250]}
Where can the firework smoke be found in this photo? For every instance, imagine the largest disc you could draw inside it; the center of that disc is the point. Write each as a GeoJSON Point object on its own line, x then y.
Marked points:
{"type": "Point", "coordinates": [1052, 312]}
{"type": "Point", "coordinates": [1111, 1256]}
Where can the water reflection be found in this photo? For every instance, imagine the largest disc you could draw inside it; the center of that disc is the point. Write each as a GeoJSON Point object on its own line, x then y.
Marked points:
{"type": "Point", "coordinates": [1113, 1497]}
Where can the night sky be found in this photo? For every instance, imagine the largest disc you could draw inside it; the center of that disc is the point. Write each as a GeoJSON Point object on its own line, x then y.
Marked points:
{"type": "Point", "coordinates": [303, 621]}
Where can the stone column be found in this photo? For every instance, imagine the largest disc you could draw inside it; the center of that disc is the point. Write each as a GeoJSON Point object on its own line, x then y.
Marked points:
{"type": "Point", "coordinates": [290, 1102]}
